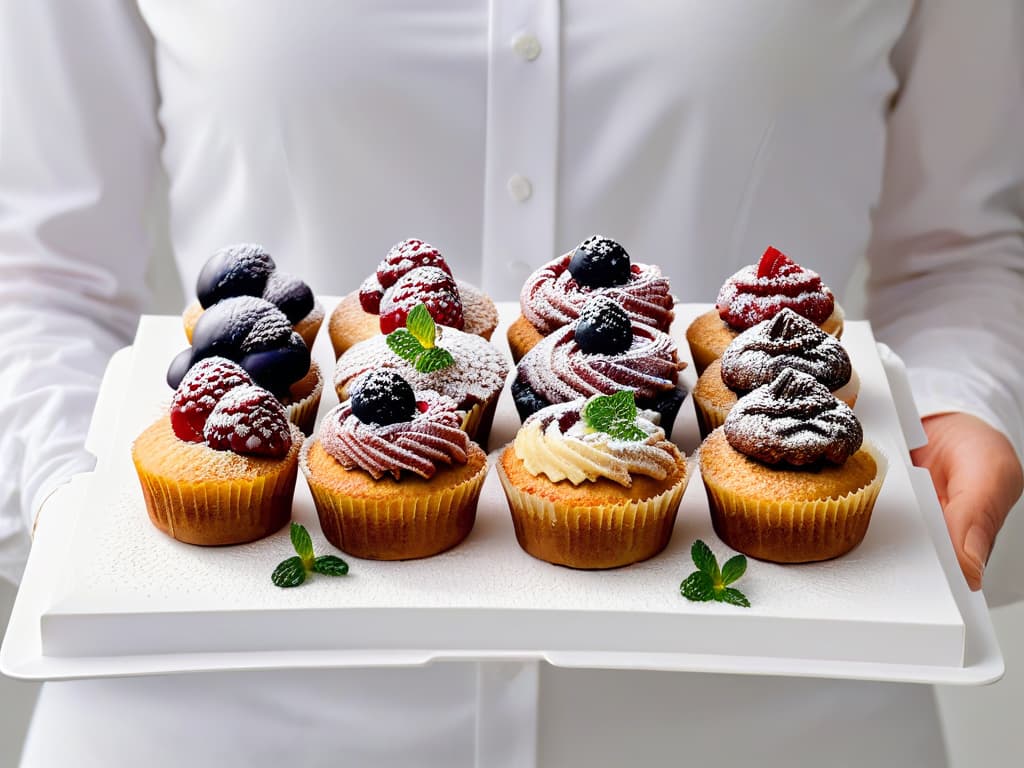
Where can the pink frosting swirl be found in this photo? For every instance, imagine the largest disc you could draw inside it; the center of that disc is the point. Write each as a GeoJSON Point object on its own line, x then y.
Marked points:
{"type": "Point", "coordinates": [558, 370]}
{"type": "Point", "coordinates": [432, 437]}
{"type": "Point", "coordinates": [551, 297]}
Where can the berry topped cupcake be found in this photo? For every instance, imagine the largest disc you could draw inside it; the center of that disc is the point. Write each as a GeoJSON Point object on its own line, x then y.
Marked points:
{"type": "Point", "coordinates": [554, 295]}
{"type": "Point", "coordinates": [248, 270]}
{"type": "Point", "coordinates": [602, 352]}
{"type": "Point", "coordinates": [220, 468]}
{"type": "Point", "coordinates": [593, 483]}
{"type": "Point", "coordinates": [413, 272]}
{"type": "Point", "coordinates": [757, 293]}
{"type": "Point", "coordinates": [759, 354]}
{"type": "Point", "coordinates": [393, 475]}
{"type": "Point", "coordinates": [789, 477]}
{"type": "Point", "coordinates": [254, 333]}
{"type": "Point", "coordinates": [463, 366]}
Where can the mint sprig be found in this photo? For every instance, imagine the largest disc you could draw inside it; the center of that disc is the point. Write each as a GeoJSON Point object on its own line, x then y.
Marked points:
{"type": "Point", "coordinates": [615, 415]}
{"type": "Point", "coordinates": [292, 572]}
{"type": "Point", "coordinates": [709, 582]}
{"type": "Point", "coordinates": [416, 342]}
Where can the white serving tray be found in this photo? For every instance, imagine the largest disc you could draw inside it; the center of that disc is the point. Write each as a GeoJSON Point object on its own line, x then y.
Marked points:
{"type": "Point", "coordinates": [106, 594]}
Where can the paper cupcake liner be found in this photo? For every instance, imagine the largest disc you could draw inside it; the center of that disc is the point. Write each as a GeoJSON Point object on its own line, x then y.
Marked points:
{"type": "Point", "coordinates": [479, 420]}
{"type": "Point", "coordinates": [795, 531]}
{"type": "Point", "coordinates": [216, 512]}
{"type": "Point", "coordinates": [303, 412]}
{"type": "Point", "coordinates": [593, 537]}
{"type": "Point", "coordinates": [398, 528]}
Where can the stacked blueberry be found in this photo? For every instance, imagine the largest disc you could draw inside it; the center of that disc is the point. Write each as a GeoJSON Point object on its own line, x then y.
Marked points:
{"type": "Point", "coordinates": [600, 262]}
{"type": "Point", "coordinates": [252, 332]}
{"type": "Point", "coordinates": [248, 270]}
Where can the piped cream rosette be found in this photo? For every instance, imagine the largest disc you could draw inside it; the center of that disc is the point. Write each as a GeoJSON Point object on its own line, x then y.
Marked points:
{"type": "Point", "coordinates": [584, 498]}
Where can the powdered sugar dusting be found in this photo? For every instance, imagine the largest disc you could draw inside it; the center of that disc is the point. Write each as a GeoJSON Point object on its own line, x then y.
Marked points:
{"type": "Point", "coordinates": [249, 419]}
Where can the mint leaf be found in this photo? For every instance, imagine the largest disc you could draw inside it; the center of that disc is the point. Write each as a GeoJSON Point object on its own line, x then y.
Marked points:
{"type": "Point", "coordinates": [289, 573]}
{"type": "Point", "coordinates": [732, 570]}
{"type": "Point", "coordinates": [698, 587]}
{"type": "Point", "coordinates": [302, 543]}
{"type": "Point", "coordinates": [329, 565]}
{"type": "Point", "coordinates": [404, 344]}
{"type": "Point", "coordinates": [704, 559]}
{"type": "Point", "coordinates": [615, 415]}
{"type": "Point", "coordinates": [421, 325]}
{"type": "Point", "coordinates": [433, 359]}
{"type": "Point", "coordinates": [732, 596]}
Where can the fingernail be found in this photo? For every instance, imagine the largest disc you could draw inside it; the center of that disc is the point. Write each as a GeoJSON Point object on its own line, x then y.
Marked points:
{"type": "Point", "coordinates": [977, 547]}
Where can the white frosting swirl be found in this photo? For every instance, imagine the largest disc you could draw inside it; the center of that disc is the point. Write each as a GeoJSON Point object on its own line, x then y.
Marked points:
{"type": "Point", "coordinates": [557, 443]}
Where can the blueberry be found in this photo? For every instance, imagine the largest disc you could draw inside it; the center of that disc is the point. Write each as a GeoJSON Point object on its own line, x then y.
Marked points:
{"type": "Point", "coordinates": [382, 397]}
{"type": "Point", "coordinates": [278, 368]}
{"type": "Point", "coordinates": [528, 401]}
{"type": "Point", "coordinates": [599, 262]}
{"type": "Point", "coordinates": [603, 327]}
{"type": "Point", "coordinates": [223, 328]}
{"type": "Point", "coordinates": [238, 270]}
{"type": "Point", "coordinates": [179, 367]}
{"type": "Point", "coordinates": [290, 295]}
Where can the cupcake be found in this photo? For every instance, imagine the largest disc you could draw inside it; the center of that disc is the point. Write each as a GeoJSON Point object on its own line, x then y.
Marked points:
{"type": "Point", "coordinates": [462, 366]}
{"type": "Point", "coordinates": [789, 477]}
{"type": "Point", "coordinates": [592, 483]}
{"type": "Point", "coordinates": [601, 352]}
{"type": "Point", "coordinates": [248, 270]}
{"type": "Point", "coordinates": [258, 336]}
{"type": "Point", "coordinates": [413, 272]}
{"type": "Point", "coordinates": [392, 474]}
{"type": "Point", "coordinates": [759, 354]}
{"type": "Point", "coordinates": [554, 295]}
{"type": "Point", "coordinates": [758, 293]}
{"type": "Point", "coordinates": [220, 467]}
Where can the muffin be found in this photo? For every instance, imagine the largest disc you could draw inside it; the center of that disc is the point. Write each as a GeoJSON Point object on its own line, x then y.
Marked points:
{"type": "Point", "coordinates": [789, 477]}
{"type": "Point", "coordinates": [554, 295]}
{"type": "Point", "coordinates": [601, 352]}
{"type": "Point", "coordinates": [393, 476]}
{"type": "Point", "coordinates": [258, 336]}
{"type": "Point", "coordinates": [592, 483]}
{"type": "Point", "coordinates": [759, 354]}
{"type": "Point", "coordinates": [413, 272]}
{"type": "Point", "coordinates": [247, 269]}
{"type": "Point", "coordinates": [220, 467]}
{"type": "Point", "coordinates": [757, 293]}
{"type": "Point", "coordinates": [471, 371]}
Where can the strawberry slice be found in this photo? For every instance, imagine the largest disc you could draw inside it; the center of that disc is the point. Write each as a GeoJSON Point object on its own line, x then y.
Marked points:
{"type": "Point", "coordinates": [773, 263]}
{"type": "Point", "coordinates": [199, 392]}
{"type": "Point", "coordinates": [431, 286]}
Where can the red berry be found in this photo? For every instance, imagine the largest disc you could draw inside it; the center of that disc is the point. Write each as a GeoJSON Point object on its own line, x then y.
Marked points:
{"type": "Point", "coordinates": [370, 294]}
{"type": "Point", "coordinates": [249, 420]}
{"type": "Point", "coordinates": [424, 285]}
{"type": "Point", "coordinates": [199, 392]}
{"type": "Point", "coordinates": [407, 256]}
{"type": "Point", "coordinates": [773, 263]}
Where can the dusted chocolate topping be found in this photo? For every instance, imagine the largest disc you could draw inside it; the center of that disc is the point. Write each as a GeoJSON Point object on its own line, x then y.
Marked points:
{"type": "Point", "coordinates": [793, 420]}
{"type": "Point", "coordinates": [761, 353]}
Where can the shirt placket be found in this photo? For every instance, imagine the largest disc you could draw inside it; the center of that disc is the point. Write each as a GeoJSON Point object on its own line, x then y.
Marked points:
{"type": "Point", "coordinates": [522, 141]}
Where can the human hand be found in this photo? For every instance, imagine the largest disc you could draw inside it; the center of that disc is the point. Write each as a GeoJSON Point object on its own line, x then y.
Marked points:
{"type": "Point", "coordinates": [977, 477]}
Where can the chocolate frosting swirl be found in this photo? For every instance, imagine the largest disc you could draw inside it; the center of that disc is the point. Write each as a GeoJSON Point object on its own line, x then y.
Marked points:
{"type": "Point", "coordinates": [558, 370]}
{"type": "Point", "coordinates": [793, 420]}
{"type": "Point", "coordinates": [761, 353]}
{"type": "Point", "coordinates": [431, 438]}
{"type": "Point", "coordinates": [551, 297]}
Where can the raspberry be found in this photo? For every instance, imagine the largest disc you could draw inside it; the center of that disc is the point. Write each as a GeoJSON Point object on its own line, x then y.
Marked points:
{"type": "Point", "coordinates": [405, 257]}
{"type": "Point", "coordinates": [249, 420]}
{"type": "Point", "coordinates": [199, 392]}
{"type": "Point", "coordinates": [370, 294]}
{"type": "Point", "coordinates": [423, 285]}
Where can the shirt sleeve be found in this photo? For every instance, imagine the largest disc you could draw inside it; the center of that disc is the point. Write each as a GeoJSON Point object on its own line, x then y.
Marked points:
{"type": "Point", "coordinates": [946, 285]}
{"type": "Point", "coordinates": [78, 154]}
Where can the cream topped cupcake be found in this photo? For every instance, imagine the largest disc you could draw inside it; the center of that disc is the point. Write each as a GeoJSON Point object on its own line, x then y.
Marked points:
{"type": "Point", "coordinates": [759, 354]}
{"type": "Point", "coordinates": [593, 483]}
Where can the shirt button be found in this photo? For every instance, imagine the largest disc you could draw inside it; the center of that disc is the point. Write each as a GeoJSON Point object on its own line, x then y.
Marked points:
{"type": "Point", "coordinates": [526, 46]}
{"type": "Point", "coordinates": [519, 188]}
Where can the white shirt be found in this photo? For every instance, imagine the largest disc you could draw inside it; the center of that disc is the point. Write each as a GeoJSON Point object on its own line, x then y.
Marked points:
{"type": "Point", "coordinates": [696, 133]}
